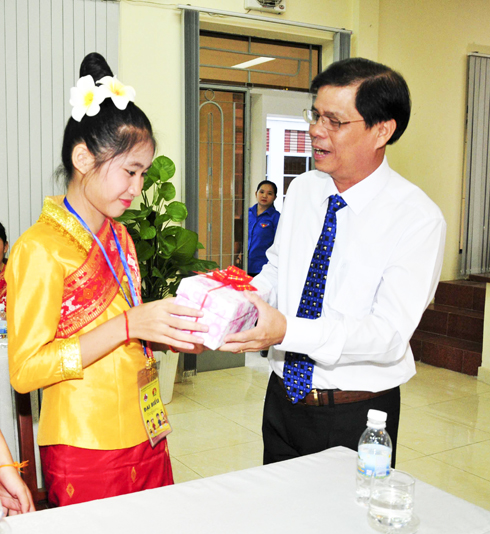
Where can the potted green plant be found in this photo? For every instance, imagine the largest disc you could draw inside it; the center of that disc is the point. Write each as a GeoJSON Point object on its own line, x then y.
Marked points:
{"type": "Point", "coordinates": [166, 251]}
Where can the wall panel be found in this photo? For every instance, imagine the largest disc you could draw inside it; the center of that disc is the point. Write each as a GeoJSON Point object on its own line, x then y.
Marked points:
{"type": "Point", "coordinates": [476, 241]}
{"type": "Point", "coordinates": [43, 43]}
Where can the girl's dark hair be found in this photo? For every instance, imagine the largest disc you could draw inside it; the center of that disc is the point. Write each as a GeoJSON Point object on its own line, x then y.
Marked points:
{"type": "Point", "coordinates": [3, 233]}
{"type": "Point", "coordinates": [274, 186]}
{"type": "Point", "coordinates": [108, 134]}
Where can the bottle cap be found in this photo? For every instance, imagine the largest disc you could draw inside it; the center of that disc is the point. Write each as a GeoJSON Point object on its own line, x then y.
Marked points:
{"type": "Point", "coordinates": [377, 419]}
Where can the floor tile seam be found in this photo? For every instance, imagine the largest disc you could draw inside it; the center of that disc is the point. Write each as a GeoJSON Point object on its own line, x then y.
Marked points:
{"type": "Point", "coordinates": [224, 418]}
{"type": "Point", "coordinates": [231, 379]}
{"type": "Point", "coordinates": [410, 449]}
{"type": "Point", "coordinates": [179, 457]}
{"type": "Point", "coordinates": [247, 379]}
{"type": "Point", "coordinates": [230, 387]}
{"type": "Point", "coordinates": [258, 392]}
{"type": "Point", "coordinates": [432, 456]}
{"type": "Point", "coordinates": [452, 399]}
{"type": "Point", "coordinates": [259, 403]}
{"type": "Point", "coordinates": [447, 419]}
{"type": "Point", "coordinates": [433, 452]}
{"type": "Point", "coordinates": [253, 371]}
{"type": "Point", "coordinates": [444, 450]}
{"type": "Point", "coordinates": [196, 402]}
{"type": "Point", "coordinates": [214, 406]}
{"type": "Point", "coordinates": [236, 423]}
{"type": "Point", "coordinates": [188, 467]}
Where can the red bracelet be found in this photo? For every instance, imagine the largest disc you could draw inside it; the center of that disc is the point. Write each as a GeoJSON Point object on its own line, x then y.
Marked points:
{"type": "Point", "coordinates": [173, 350]}
{"type": "Point", "coordinates": [128, 340]}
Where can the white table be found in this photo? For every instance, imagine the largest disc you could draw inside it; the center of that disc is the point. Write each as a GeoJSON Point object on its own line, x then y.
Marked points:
{"type": "Point", "coordinates": [312, 494]}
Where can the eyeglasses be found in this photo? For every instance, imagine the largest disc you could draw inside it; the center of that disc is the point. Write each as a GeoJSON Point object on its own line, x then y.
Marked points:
{"type": "Point", "coordinates": [311, 116]}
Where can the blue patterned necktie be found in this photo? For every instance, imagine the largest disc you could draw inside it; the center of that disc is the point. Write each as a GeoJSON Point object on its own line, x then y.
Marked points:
{"type": "Point", "coordinates": [298, 368]}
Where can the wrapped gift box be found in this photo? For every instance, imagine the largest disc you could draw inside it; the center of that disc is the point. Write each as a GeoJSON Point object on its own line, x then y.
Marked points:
{"type": "Point", "coordinates": [226, 309]}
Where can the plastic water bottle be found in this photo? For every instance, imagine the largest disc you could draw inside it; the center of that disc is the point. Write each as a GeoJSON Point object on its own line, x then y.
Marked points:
{"type": "Point", "coordinates": [4, 526]}
{"type": "Point", "coordinates": [374, 454]}
{"type": "Point", "coordinates": [3, 327]}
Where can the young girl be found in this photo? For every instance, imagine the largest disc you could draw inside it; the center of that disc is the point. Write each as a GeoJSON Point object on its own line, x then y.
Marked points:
{"type": "Point", "coordinates": [4, 246]}
{"type": "Point", "coordinates": [73, 292]}
{"type": "Point", "coordinates": [262, 225]}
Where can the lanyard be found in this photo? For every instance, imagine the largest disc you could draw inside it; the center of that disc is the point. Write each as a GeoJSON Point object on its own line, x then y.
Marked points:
{"type": "Point", "coordinates": [121, 256]}
{"type": "Point", "coordinates": [124, 262]}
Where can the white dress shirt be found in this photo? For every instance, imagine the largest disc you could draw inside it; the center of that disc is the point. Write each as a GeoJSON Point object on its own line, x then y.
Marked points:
{"type": "Point", "coordinates": [383, 273]}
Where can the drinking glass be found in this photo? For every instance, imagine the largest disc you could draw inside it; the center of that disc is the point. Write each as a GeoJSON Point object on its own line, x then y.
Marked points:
{"type": "Point", "coordinates": [390, 508]}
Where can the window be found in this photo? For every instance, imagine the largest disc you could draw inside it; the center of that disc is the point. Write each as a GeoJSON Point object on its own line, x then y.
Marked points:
{"type": "Point", "coordinates": [288, 153]}
{"type": "Point", "coordinates": [251, 61]}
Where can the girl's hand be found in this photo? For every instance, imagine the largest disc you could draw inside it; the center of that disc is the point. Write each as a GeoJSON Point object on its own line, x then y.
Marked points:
{"type": "Point", "coordinates": [160, 322]}
{"type": "Point", "coordinates": [14, 494]}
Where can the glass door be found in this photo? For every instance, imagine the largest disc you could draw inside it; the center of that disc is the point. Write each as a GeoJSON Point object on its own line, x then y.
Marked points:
{"type": "Point", "coordinates": [222, 176]}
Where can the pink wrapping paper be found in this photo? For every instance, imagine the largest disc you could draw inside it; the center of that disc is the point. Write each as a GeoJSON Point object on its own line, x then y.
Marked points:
{"type": "Point", "coordinates": [226, 310]}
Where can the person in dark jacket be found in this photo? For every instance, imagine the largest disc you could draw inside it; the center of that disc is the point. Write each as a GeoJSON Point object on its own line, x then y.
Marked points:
{"type": "Point", "coordinates": [262, 225]}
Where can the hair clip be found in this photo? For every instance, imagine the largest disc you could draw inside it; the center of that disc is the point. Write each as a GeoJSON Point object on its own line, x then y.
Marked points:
{"type": "Point", "coordinates": [120, 94]}
{"type": "Point", "coordinates": [87, 96]}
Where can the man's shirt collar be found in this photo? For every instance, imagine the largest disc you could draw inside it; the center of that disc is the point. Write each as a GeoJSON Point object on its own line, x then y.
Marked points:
{"type": "Point", "coordinates": [360, 195]}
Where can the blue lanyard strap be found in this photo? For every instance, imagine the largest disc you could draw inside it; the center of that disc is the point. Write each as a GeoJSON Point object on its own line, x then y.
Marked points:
{"type": "Point", "coordinates": [134, 296]}
{"type": "Point", "coordinates": [124, 262]}
{"type": "Point", "coordinates": [121, 255]}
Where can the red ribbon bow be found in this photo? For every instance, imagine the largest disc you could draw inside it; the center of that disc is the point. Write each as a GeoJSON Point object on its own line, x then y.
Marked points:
{"type": "Point", "coordinates": [234, 277]}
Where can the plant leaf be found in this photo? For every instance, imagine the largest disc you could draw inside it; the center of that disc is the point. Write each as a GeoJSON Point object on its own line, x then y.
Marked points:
{"type": "Point", "coordinates": [186, 243]}
{"type": "Point", "coordinates": [144, 251]}
{"type": "Point", "coordinates": [156, 273]}
{"type": "Point", "coordinates": [144, 211]}
{"type": "Point", "coordinates": [197, 265]}
{"type": "Point", "coordinates": [165, 253]}
{"type": "Point", "coordinates": [167, 244]}
{"type": "Point", "coordinates": [177, 211]}
{"type": "Point", "coordinates": [147, 231]}
{"type": "Point", "coordinates": [161, 170]}
{"type": "Point", "coordinates": [149, 181]}
{"type": "Point", "coordinates": [166, 192]}
{"type": "Point", "coordinates": [160, 219]}
{"type": "Point", "coordinates": [128, 215]}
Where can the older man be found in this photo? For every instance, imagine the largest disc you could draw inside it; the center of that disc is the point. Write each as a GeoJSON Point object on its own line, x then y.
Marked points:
{"type": "Point", "coordinates": [355, 262]}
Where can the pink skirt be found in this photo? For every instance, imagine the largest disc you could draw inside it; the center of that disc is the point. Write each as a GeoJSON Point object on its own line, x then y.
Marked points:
{"type": "Point", "coordinates": [74, 475]}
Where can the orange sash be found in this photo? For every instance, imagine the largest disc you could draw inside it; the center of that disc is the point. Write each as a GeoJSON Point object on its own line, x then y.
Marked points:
{"type": "Point", "coordinates": [89, 291]}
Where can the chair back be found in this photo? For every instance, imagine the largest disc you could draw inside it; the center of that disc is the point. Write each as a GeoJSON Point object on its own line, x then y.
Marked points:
{"type": "Point", "coordinates": [27, 449]}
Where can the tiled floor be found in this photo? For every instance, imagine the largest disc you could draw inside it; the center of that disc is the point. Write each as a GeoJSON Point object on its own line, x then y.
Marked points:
{"type": "Point", "coordinates": [444, 436]}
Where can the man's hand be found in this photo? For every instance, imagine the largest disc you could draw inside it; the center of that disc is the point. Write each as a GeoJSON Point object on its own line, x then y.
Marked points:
{"type": "Point", "coordinates": [270, 329]}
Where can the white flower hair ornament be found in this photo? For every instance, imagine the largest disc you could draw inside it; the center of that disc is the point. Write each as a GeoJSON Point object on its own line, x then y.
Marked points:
{"type": "Point", "coordinates": [87, 96]}
{"type": "Point", "coordinates": [121, 94]}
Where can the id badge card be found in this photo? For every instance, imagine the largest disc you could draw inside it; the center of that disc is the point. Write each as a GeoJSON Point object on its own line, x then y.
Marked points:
{"type": "Point", "coordinates": [154, 414]}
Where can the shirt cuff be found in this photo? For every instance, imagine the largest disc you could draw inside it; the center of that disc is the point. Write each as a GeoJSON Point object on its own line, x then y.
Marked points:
{"type": "Point", "coordinates": [70, 358]}
{"type": "Point", "coordinates": [321, 339]}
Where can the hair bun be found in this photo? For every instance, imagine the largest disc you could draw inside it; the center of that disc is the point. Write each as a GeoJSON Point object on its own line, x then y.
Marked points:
{"type": "Point", "coordinates": [96, 65]}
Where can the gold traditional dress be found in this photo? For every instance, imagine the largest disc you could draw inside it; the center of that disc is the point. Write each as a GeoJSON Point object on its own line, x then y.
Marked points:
{"type": "Point", "coordinates": [60, 287]}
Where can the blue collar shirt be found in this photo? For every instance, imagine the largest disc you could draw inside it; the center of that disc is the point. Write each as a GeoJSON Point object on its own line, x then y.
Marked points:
{"type": "Point", "coordinates": [261, 231]}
